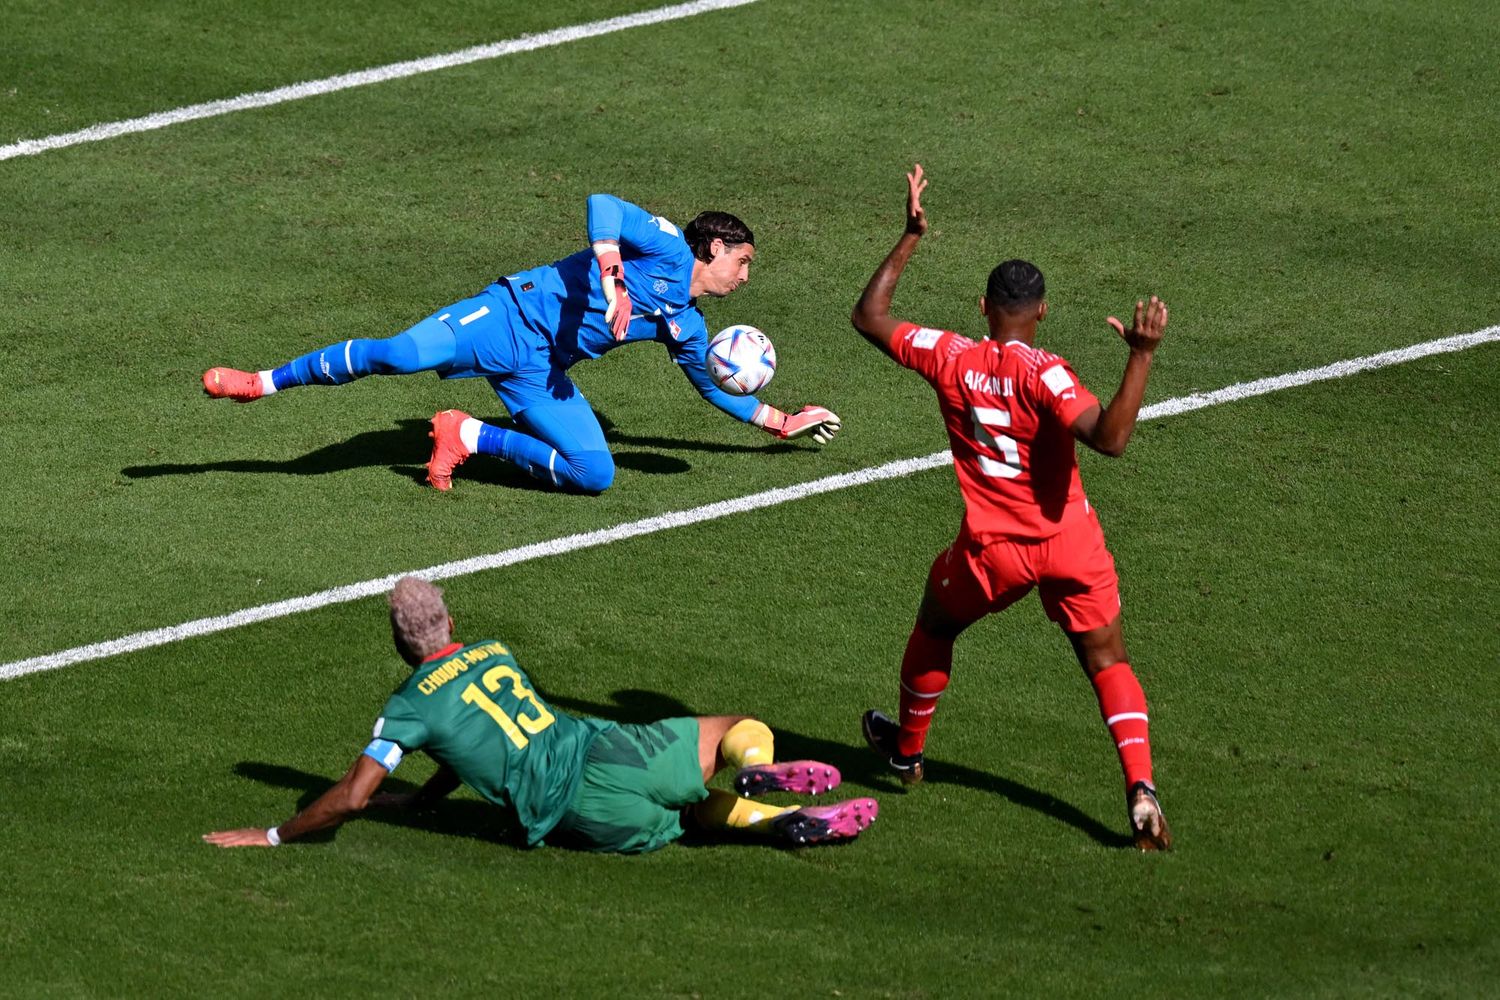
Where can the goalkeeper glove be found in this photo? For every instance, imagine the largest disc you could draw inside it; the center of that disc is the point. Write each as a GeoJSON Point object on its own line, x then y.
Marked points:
{"type": "Point", "coordinates": [821, 423]}
{"type": "Point", "coordinates": [612, 279]}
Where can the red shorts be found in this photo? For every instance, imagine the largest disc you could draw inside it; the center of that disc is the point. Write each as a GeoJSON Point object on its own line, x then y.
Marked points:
{"type": "Point", "coordinates": [1073, 570]}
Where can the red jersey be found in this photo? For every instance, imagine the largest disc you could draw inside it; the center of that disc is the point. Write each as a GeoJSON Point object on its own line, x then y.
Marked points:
{"type": "Point", "coordinates": [1009, 410]}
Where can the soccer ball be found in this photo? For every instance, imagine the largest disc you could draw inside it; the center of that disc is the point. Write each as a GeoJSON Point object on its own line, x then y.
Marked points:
{"type": "Point", "coordinates": [741, 360]}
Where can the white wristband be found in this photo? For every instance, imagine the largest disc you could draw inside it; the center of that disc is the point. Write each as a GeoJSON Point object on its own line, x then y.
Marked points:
{"type": "Point", "coordinates": [767, 417]}
{"type": "Point", "coordinates": [274, 836]}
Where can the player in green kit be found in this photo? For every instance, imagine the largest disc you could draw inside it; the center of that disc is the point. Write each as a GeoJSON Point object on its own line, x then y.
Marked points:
{"type": "Point", "coordinates": [578, 782]}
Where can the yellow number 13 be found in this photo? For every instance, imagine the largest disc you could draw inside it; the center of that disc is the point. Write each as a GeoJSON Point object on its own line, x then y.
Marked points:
{"type": "Point", "coordinates": [533, 724]}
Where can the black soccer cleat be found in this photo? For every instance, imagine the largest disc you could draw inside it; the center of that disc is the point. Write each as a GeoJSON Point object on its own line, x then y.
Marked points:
{"type": "Point", "coordinates": [880, 733]}
{"type": "Point", "coordinates": [1148, 824]}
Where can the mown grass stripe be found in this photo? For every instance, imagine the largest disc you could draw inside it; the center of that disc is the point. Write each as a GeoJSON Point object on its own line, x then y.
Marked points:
{"type": "Point", "coordinates": [708, 512]}
{"type": "Point", "coordinates": [365, 77]}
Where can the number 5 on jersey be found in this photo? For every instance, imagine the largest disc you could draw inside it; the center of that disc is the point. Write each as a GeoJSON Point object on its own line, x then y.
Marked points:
{"type": "Point", "coordinates": [986, 418]}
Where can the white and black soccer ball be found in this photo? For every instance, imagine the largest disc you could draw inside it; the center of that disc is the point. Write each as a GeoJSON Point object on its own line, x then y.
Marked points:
{"type": "Point", "coordinates": [741, 360]}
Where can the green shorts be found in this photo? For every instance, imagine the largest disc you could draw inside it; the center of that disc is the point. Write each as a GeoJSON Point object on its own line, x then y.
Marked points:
{"type": "Point", "coordinates": [637, 779]}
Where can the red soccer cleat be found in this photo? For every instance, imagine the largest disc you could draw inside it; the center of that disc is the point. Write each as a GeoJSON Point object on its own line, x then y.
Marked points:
{"type": "Point", "coordinates": [231, 383]}
{"type": "Point", "coordinates": [448, 451]}
{"type": "Point", "coordinates": [800, 777]}
{"type": "Point", "coordinates": [824, 824]}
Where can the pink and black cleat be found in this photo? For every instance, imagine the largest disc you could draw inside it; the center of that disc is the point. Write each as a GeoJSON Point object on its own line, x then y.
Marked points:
{"type": "Point", "coordinates": [824, 824]}
{"type": "Point", "coordinates": [800, 777]}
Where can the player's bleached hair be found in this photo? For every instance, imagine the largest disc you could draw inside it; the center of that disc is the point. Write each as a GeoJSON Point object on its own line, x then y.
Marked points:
{"type": "Point", "coordinates": [709, 226]}
{"type": "Point", "coordinates": [419, 615]}
{"type": "Point", "coordinates": [1015, 284]}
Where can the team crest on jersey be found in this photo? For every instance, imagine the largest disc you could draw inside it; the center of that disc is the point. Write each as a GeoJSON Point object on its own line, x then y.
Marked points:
{"type": "Point", "coordinates": [675, 329]}
{"type": "Point", "coordinates": [660, 286]}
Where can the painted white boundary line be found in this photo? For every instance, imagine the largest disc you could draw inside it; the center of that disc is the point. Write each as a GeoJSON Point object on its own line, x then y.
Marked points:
{"type": "Point", "coordinates": [1339, 369]}
{"type": "Point", "coordinates": [379, 74]}
{"type": "Point", "coordinates": [709, 512]}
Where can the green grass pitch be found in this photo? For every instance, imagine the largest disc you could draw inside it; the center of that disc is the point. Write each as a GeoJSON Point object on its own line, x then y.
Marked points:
{"type": "Point", "coordinates": [1309, 576]}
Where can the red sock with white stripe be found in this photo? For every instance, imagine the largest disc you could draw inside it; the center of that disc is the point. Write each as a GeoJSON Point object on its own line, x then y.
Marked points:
{"type": "Point", "coordinates": [1123, 705]}
{"type": "Point", "coordinates": [925, 667]}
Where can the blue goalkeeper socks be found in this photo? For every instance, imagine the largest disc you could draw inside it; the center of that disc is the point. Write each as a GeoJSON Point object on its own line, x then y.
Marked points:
{"type": "Point", "coordinates": [332, 365]}
{"type": "Point", "coordinates": [538, 458]}
{"type": "Point", "coordinates": [590, 471]}
{"type": "Point", "coordinates": [428, 346]}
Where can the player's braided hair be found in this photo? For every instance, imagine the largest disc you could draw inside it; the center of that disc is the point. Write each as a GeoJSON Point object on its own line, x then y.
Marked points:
{"type": "Point", "coordinates": [1014, 284]}
{"type": "Point", "coordinates": [419, 615]}
{"type": "Point", "coordinates": [709, 226]}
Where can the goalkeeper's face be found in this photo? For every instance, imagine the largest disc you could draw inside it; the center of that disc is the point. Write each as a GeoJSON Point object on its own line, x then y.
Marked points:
{"type": "Point", "coordinates": [729, 268]}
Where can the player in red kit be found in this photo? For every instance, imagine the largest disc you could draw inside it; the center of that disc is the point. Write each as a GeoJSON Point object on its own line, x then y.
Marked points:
{"type": "Point", "coordinates": [1013, 412]}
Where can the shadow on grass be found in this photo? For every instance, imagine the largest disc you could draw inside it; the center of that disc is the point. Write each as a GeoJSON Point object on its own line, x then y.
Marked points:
{"type": "Point", "coordinates": [470, 818]}
{"type": "Point", "coordinates": [376, 448]}
{"type": "Point", "coordinates": [484, 821]}
{"type": "Point", "coordinates": [614, 435]}
{"type": "Point", "coordinates": [365, 450]}
{"type": "Point", "coordinates": [687, 444]}
{"type": "Point", "coordinates": [857, 763]}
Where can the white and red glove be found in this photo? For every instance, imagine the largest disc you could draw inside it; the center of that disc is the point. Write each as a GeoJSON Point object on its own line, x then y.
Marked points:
{"type": "Point", "coordinates": [612, 278]}
{"type": "Point", "coordinates": [818, 421]}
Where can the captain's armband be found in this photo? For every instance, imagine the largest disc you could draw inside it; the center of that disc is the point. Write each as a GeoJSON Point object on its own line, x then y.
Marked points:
{"type": "Point", "coordinates": [385, 753]}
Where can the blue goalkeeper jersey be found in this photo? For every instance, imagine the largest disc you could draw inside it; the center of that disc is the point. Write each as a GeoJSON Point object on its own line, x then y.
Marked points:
{"type": "Point", "coordinates": [565, 300]}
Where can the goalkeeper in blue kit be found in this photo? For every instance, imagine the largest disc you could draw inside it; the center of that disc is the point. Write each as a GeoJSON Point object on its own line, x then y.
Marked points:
{"type": "Point", "coordinates": [640, 280]}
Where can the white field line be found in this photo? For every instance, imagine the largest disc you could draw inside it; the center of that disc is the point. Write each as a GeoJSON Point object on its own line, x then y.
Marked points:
{"type": "Point", "coordinates": [1339, 369]}
{"type": "Point", "coordinates": [364, 77]}
{"type": "Point", "coordinates": [709, 512]}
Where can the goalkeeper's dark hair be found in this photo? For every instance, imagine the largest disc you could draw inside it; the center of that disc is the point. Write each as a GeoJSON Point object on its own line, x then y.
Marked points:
{"type": "Point", "coordinates": [1014, 285]}
{"type": "Point", "coordinates": [709, 226]}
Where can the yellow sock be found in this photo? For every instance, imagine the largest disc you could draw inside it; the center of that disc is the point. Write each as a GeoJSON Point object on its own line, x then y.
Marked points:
{"type": "Point", "coordinates": [725, 811]}
{"type": "Point", "coordinates": [748, 741]}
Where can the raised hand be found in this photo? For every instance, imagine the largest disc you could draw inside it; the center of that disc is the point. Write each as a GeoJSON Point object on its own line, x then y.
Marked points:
{"type": "Point", "coordinates": [1147, 328]}
{"type": "Point", "coordinates": [916, 219]}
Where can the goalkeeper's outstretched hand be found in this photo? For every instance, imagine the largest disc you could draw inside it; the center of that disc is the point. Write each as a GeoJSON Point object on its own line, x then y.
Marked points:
{"type": "Point", "coordinates": [818, 421]}
{"type": "Point", "coordinates": [821, 422]}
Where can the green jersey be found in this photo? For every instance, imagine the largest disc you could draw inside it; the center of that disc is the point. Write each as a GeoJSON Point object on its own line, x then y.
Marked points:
{"type": "Point", "coordinates": [473, 709]}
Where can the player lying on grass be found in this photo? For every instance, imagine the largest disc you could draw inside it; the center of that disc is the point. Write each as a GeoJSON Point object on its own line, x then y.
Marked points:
{"type": "Point", "coordinates": [577, 782]}
{"type": "Point", "coordinates": [1013, 412]}
{"type": "Point", "coordinates": [641, 280]}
